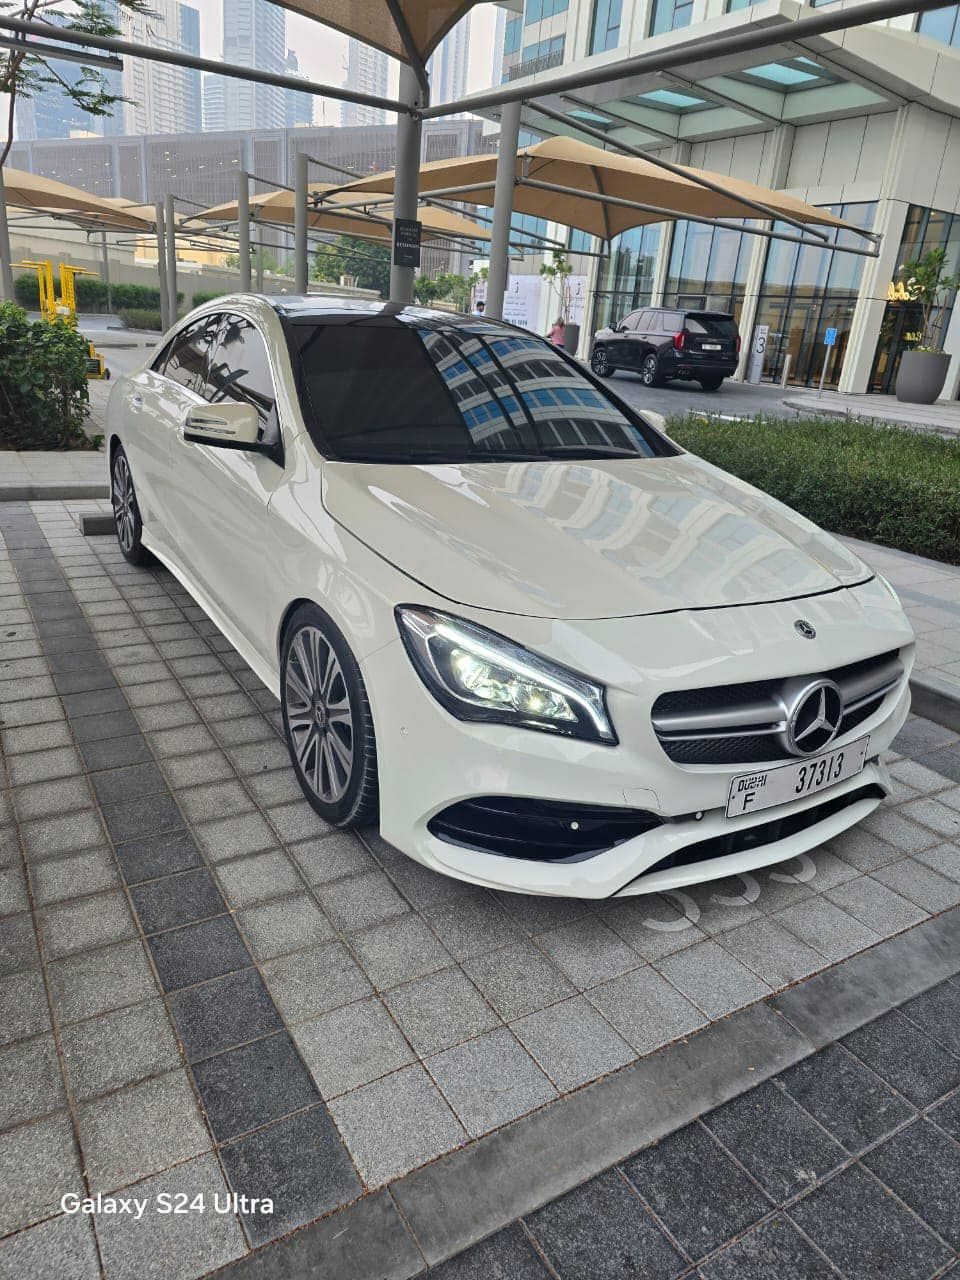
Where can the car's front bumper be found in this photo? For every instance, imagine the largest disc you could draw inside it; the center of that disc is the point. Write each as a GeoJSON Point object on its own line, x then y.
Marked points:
{"type": "Point", "coordinates": [430, 761]}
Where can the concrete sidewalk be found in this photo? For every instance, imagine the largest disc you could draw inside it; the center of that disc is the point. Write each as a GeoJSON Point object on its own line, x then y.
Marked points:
{"type": "Point", "coordinates": [942, 417]}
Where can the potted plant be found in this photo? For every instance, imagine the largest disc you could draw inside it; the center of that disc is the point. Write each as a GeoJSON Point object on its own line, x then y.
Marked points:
{"type": "Point", "coordinates": [557, 275]}
{"type": "Point", "coordinates": [923, 369]}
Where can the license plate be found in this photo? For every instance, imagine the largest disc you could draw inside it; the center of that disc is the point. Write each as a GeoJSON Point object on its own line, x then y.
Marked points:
{"type": "Point", "coordinates": [753, 791]}
{"type": "Point", "coordinates": [710, 346]}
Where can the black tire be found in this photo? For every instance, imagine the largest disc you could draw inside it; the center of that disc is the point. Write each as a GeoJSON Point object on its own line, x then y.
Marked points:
{"type": "Point", "coordinates": [600, 363]}
{"type": "Point", "coordinates": [711, 384]}
{"type": "Point", "coordinates": [343, 792]}
{"type": "Point", "coordinates": [650, 371]}
{"type": "Point", "coordinates": [126, 510]}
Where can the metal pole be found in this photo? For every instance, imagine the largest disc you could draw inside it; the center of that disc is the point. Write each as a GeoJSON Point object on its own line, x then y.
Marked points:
{"type": "Point", "coordinates": [6, 257]}
{"type": "Point", "coordinates": [170, 223]}
{"type": "Point", "coordinates": [406, 180]}
{"type": "Point", "coordinates": [243, 230]}
{"type": "Point", "coordinates": [827, 357]}
{"type": "Point", "coordinates": [259, 263]}
{"type": "Point", "coordinates": [503, 207]}
{"type": "Point", "coordinates": [785, 378]}
{"type": "Point", "coordinates": [106, 269]}
{"type": "Point", "coordinates": [162, 268]}
{"type": "Point", "coordinates": [300, 272]}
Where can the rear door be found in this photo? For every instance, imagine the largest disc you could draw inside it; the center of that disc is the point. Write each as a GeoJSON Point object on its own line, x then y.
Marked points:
{"type": "Point", "coordinates": [711, 337]}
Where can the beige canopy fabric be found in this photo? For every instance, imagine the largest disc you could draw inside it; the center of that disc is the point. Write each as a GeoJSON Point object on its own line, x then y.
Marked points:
{"type": "Point", "coordinates": [566, 162]}
{"type": "Point", "coordinates": [43, 195]}
{"type": "Point", "coordinates": [278, 206]}
{"type": "Point", "coordinates": [379, 22]}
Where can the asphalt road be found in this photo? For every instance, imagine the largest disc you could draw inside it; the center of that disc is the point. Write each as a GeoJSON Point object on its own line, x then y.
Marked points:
{"type": "Point", "coordinates": [738, 399]}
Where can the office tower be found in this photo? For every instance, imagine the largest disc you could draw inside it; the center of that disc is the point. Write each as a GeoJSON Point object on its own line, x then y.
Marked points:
{"type": "Point", "coordinates": [367, 72]}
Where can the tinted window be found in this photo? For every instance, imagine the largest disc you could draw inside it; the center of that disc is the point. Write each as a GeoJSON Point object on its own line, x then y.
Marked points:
{"type": "Point", "coordinates": [187, 361]}
{"type": "Point", "coordinates": [652, 324]}
{"type": "Point", "coordinates": [635, 320]}
{"type": "Point", "coordinates": [672, 321]}
{"type": "Point", "coordinates": [240, 371]}
{"type": "Point", "coordinates": [398, 394]}
{"type": "Point", "coordinates": [715, 326]}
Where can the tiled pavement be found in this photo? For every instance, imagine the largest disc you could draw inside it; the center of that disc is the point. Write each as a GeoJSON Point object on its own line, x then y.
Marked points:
{"type": "Point", "coordinates": [202, 988]}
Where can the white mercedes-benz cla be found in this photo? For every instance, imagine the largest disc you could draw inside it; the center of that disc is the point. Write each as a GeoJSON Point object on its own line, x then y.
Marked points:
{"type": "Point", "coordinates": [508, 620]}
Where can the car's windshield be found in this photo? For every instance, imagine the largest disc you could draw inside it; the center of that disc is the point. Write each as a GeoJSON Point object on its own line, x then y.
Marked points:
{"type": "Point", "coordinates": [409, 394]}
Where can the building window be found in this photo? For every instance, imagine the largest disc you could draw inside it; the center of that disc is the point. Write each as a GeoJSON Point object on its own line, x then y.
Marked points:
{"type": "Point", "coordinates": [670, 15]}
{"type": "Point", "coordinates": [708, 268]}
{"type": "Point", "coordinates": [733, 5]}
{"type": "Point", "coordinates": [537, 10]}
{"type": "Point", "coordinates": [807, 290]}
{"type": "Point", "coordinates": [625, 280]}
{"type": "Point", "coordinates": [605, 33]}
{"type": "Point", "coordinates": [902, 323]}
{"type": "Point", "coordinates": [579, 241]}
{"type": "Point", "coordinates": [540, 56]}
{"type": "Point", "coordinates": [941, 24]}
{"type": "Point", "coordinates": [511, 35]}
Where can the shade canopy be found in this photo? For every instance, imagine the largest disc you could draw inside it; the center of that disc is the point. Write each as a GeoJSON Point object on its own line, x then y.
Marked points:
{"type": "Point", "coordinates": [584, 181]}
{"type": "Point", "coordinates": [278, 206]}
{"type": "Point", "coordinates": [45, 196]}
{"type": "Point", "coordinates": [406, 29]}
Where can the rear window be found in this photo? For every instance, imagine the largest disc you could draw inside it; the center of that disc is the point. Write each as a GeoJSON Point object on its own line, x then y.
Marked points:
{"type": "Point", "coordinates": [713, 326]}
{"type": "Point", "coordinates": [403, 394]}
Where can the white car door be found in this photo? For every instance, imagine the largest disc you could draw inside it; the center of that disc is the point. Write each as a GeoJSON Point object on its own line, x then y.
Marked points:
{"type": "Point", "coordinates": [220, 496]}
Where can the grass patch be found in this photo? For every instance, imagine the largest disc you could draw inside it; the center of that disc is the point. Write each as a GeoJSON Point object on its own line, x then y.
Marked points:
{"type": "Point", "coordinates": [883, 484]}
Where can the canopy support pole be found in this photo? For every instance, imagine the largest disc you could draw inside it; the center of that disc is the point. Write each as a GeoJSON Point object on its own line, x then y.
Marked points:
{"type": "Point", "coordinates": [162, 269]}
{"type": "Point", "coordinates": [300, 272]}
{"type": "Point", "coordinates": [503, 208]}
{"type": "Point", "coordinates": [406, 180]}
{"type": "Point", "coordinates": [105, 259]}
{"type": "Point", "coordinates": [6, 256]}
{"type": "Point", "coordinates": [170, 221]}
{"type": "Point", "coordinates": [243, 230]}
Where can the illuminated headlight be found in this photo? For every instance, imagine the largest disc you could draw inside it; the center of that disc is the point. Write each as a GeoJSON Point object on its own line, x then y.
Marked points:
{"type": "Point", "coordinates": [479, 675]}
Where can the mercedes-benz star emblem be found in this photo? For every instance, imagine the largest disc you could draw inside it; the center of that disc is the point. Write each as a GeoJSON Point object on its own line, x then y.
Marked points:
{"type": "Point", "coordinates": [814, 718]}
{"type": "Point", "coordinates": [805, 629]}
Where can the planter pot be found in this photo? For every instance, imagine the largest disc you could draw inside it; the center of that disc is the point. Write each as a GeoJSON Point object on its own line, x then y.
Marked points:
{"type": "Point", "coordinates": [921, 376]}
{"type": "Point", "coordinates": [571, 339]}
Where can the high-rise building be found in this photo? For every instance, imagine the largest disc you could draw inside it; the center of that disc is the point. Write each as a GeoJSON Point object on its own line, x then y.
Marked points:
{"type": "Point", "coordinates": [447, 67]}
{"type": "Point", "coordinates": [367, 72]}
{"type": "Point", "coordinates": [254, 35]}
{"type": "Point", "coordinates": [161, 98]}
{"type": "Point", "coordinates": [298, 106]}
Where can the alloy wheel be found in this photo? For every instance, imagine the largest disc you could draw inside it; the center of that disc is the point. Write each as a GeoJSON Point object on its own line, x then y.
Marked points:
{"type": "Point", "coordinates": [648, 371]}
{"type": "Point", "coordinates": [319, 714]}
{"type": "Point", "coordinates": [599, 363]}
{"type": "Point", "coordinates": [123, 502]}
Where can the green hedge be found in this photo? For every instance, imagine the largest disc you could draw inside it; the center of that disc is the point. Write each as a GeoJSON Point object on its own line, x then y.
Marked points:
{"type": "Point", "coordinates": [43, 384]}
{"type": "Point", "coordinates": [200, 298]}
{"type": "Point", "coordinates": [141, 318]}
{"type": "Point", "coordinates": [882, 484]}
{"type": "Point", "coordinates": [92, 294]}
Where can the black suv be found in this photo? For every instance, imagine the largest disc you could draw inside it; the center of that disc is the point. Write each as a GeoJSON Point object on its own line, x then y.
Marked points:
{"type": "Point", "coordinates": [661, 343]}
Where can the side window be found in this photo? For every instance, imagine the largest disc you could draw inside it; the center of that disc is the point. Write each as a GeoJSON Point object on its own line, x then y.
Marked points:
{"type": "Point", "coordinates": [634, 320]}
{"type": "Point", "coordinates": [187, 358]}
{"type": "Point", "coordinates": [653, 322]}
{"type": "Point", "coordinates": [672, 321]}
{"type": "Point", "coordinates": [240, 371]}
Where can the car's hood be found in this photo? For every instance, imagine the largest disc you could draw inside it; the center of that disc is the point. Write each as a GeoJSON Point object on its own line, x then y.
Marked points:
{"type": "Point", "coordinates": [586, 539]}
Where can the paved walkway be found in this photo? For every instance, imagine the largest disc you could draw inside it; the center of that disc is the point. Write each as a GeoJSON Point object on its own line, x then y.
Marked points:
{"type": "Point", "coordinates": [942, 417]}
{"type": "Point", "coordinates": [205, 989]}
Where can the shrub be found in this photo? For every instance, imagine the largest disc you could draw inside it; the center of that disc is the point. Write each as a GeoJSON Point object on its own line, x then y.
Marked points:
{"type": "Point", "coordinates": [863, 479]}
{"type": "Point", "coordinates": [43, 384]}
{"type": "Point", "coordinates": [92, 294]}
{"type": "Point", "coordinates": [200, 298]}
{"type": "Point", "coordinates": [141, 318]}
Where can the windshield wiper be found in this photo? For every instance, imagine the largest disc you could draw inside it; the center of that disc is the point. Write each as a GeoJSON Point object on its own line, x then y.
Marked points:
{"type": "Point", "coordinates": [439, 456]}
{"type": "Point", "coordinates": [588, 451]}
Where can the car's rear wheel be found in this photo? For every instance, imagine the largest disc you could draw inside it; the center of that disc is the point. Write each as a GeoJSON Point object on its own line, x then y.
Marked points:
{"type": "Point", "coordinates": [650, 371]}
{"type": "Point", "coordinates": [126, 511]}
{"type": "Point", "coordinates": [600, 364]}
{"type": "Point", "coordinates": [327, 720]}
{"type": "Point", "coordinates": [711, 384]}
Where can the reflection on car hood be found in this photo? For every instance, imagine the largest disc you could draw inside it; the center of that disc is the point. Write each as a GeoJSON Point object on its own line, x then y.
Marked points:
{"type": "Point", "coordinates": [596, 539]}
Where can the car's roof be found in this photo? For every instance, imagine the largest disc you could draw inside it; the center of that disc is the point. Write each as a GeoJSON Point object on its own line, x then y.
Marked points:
{"type": "Point", "coordinates": [691, 311]}
{"type": "Point", "coordinates": [329, 309]}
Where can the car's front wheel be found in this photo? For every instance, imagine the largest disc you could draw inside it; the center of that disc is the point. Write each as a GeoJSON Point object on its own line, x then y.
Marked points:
{"type": "Point", "coordinates": [126, 511]}
{"type": "Point", "coordinates": [650, 371]}
{"type": "Point", "coordinates": [600, 364]}
{"type": "Point", "coordinates": [327, 720]}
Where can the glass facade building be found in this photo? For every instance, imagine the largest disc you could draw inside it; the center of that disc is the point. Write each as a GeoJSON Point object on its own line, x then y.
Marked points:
{"type": "Point", "coordinates": [708, 268]}
{"type": "Point", "coordinates": [625, 280]}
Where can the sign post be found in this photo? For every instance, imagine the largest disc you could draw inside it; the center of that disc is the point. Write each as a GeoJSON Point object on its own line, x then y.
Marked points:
{"type": "Point", "coordinates": [406, 242]}
{"type": "Point", "coordinates": [829, 342]}
{"type": "Point", "coordinates": [758, 352]}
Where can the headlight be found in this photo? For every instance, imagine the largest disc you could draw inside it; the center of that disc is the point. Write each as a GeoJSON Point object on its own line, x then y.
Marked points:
{"type": "Point", "coordinates": [479, 675]}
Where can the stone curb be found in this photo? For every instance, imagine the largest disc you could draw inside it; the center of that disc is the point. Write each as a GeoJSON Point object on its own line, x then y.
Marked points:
{"type": "Point", "coordinates": [54, 491]}
{"type": "Point", "coordinates": [936, 699]}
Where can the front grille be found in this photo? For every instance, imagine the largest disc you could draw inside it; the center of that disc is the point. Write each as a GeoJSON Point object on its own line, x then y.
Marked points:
{"type": "Point", "coordinates": [746, 723]}
{"type": "Point", "coordinates": [538, 830]}
{"type": "Point", "coordinates": [740, 840]}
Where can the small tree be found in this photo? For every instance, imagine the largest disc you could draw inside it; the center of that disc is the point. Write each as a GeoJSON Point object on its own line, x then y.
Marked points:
{"type": "Point", "coordinates": [557, 275]}
{"type": "Point", "coordinates": [926, 282]}
{"type": "Point", "coordinates": [368, 261]}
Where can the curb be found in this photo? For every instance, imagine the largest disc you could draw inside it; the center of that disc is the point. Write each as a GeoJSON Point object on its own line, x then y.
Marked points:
{"type": "Point", "coordinates": [47, 492]}
{"type": "Point", "coordinates": [98, 525]}
{"type": "Point", "coordinates": [936, 699]}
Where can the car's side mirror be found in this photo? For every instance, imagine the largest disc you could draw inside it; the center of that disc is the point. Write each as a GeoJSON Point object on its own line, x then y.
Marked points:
{"type": "Point", "coordinates": [228, 425]}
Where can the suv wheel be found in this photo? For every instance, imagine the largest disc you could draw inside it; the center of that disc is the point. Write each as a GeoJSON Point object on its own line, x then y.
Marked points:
{"type": "Point", "coordinates": [650, 371]}
{"type": "Point", "coordinates": [711, 384]}
{"type": "Point", "coordinates": [600, 363]}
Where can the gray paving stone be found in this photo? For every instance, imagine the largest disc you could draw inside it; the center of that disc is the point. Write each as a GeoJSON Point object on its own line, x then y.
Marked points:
{"type": "Point", "coordinates": [724, 904]}
{"type": "Point", "coordinates": [653, 924]}
{"type": "Point", "coordinates": [46, 837]}
{"type": "Point", "coordinates": [538, 914]}
{"type": "Point", "coordinates": [214, 800]}
{"type": "Point", "coordinates": [37, 766]}
{"type": "Point", "coordinates": [490, 1081]}
{"type": "Point", "coordinates": [140, 1130]}
{"type": "Point", "coordinates": [262, 876]}
{"type": "Point", "coordinates": [396, 1124]}
{"type": "Point", "coordinates": [776, 1248]}
{"type": "Point", "coordinates": [9, 847]}
{"type": "Point", "coordinates": [246, 729]}
{"type": "Point", "coordinates": [361, 901]}
{"type": "Point", "coordinates": [940, 818]}
{"type": "Point", "coordinates": [821, 924]}
{"type": "Point", "coordinates": [168, 743]}
{"type": "Point", "coordinates": [519, 979]}
{"type": "Point", "coordinates": [148, 695]}
{"type": "Point", "coordinates": [286, 924]}
{"type": "Point", "coordinates": [352, 1046]}
{"type": "Point", "coordinates": [18, 944]}
{"type": "Point", "coordinates": [32, 1082]}
{"type": "Point", "coordinates": [398, 951]}
{"type": "Point", "coordinates": [901, 1054]}
{"type": "Point", "coordinates": [204, 767]}
{"type": "Point", "coordinates": [323, 860]}
{"type": "Point", "coordinates": [173, 1246]}
{"type": "Point", "coordinates": [572, 1043]}
{"type": "Point", "coordinates": [440, 1010]}
{"type": "Point", "coordinates": [714, 982]}
{"type": "Point", "coordinates": [923, 1167]}
{"type": "Point", "coordinates": [314, 981]}
{"type": "Point", "coordinates": [32, 712]}
{"type": "Point", "coordinates": [63, 1247]}
{"type": "Point", "coordinates": [924, 780]}
{"type": "Point", "coordinates": [13, 891]}
{"type": "Point", "coordinates": [86, 923]}
{"type": "Point", "coordinates": [297, 821]}
{"type": "Point", "coordinates": [646, 1010]}
{"type": "Point", "coordinates": [876, 906]}
{"type": "Point", "coordinates": [52, 796]}
{"type": "Point", "coordinates": [166, 715]}
{"type": "Point", "coordinates": [119, 1048]}
{"type": "Point", "coordinates": [774, 954]}
{"type": "Point", "coordinates": [944, 859]}
{"type": "Point", "coordinates": [97, 981]}
{"type": "Point", "coordinates": [899, 832]}
{"type": "Point", "coordinates": [38, 1165]}
{"type": "Point", "coordinates": [863, 850]}
{"type": "Point", "coordinates": [274, 788]}
{"type": "Point", "coordinates": [475, 924]}
{"type": "Point", "coordinates": [230, 837]}
{"type": "Point", "coordinates": [142, 817]}
{"type": "Point", "coordinates": [252, 758]}
{"type": "Point", "coordinates": [588, 952]}
{"type": "Point", "coordinates": [23, 1006]}
{"type": "Point", "coordinates": [114, 785]}
{"type": "Point", "coordinates": [420, 885]}
{"type": "Point", "coordinates": [506, 1255]}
